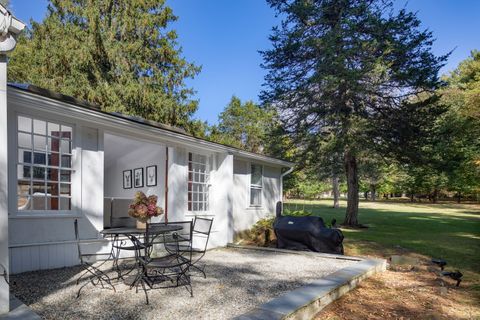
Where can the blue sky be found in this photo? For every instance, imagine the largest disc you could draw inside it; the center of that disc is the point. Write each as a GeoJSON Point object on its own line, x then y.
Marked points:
{"type": "Point", "coordinates": [224, 36]}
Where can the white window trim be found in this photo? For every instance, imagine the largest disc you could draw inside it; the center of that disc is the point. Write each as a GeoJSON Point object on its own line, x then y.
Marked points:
{"type": "Point", "coordinates": [249, 186]}
{"type": "Point", "coordinates": [208, 182]}
{"type": "Point", "coordinates": [73, 212]}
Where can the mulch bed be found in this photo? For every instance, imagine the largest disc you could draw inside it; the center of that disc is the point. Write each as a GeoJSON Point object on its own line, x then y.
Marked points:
{"type": "Point", "coordinates": [417, 292]}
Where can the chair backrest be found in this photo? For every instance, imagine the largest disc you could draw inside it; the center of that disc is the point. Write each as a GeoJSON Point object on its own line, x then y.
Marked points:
{"type": "Point", "coordinates": [119, 213]}
{"type": "Point", "coordinates": [172, 240]}
{"type": "Point", "coordinates": [139, 247]}
{"type": "Point", "coordinates": [202, 227]}
{"type": "Point", "coordinates": [77, 240]}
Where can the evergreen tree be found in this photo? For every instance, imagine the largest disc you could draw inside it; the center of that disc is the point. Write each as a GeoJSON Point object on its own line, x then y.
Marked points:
{"type": "Point", "coordinates": [243, 125]}
{"type": "Point", "coordinates": [121, 55]}
{"type": "Point", "coordinates": [343, 66]}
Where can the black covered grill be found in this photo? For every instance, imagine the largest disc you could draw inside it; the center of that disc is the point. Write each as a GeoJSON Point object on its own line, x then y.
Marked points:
{"type": "Point", "coordinates": [307, 233]}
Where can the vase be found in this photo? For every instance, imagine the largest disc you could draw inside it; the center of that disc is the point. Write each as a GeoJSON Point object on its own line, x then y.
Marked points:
{"type": "Point", "coordinates": [141, 224]}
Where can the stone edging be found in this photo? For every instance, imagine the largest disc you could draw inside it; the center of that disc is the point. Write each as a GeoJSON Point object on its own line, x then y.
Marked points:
{"type": "Point", "coordinates": [306, 301]}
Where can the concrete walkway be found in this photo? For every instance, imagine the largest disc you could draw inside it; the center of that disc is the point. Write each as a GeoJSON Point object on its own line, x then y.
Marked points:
{"type": "Point", "coordinates": [19, 311]}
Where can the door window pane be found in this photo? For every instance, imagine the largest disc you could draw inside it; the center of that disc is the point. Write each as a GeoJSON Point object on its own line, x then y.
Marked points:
{"type": "Point", "coordinates": [53, 129]}
{"type": "Point", "coordinates": [24, 124]}
{"type": "Point", "coordinates": [38, 203]}
{"type": "Point", "coordinates": [39, 127]}
{"type": "Point", "coordinates": [40, 143]}
{"type": "Point", "coordinates": [24, 140]}
{"type": "Point", "coordinates": [23, 203]}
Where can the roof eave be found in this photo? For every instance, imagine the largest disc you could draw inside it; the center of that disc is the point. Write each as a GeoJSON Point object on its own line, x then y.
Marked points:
{"type": "Point", "coordinates": [59, 98]}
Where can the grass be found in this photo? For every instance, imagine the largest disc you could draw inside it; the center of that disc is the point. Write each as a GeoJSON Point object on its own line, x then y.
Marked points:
{"type": "Point", "coordinates": [447, 230]}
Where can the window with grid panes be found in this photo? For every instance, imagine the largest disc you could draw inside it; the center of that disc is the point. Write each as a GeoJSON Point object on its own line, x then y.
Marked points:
{"type": "Point", "coordinates": [198, 182]}
{"type": "Point", "coordinates": [44, 165]}
{"type": "Point", "coordinates": [256, 185]}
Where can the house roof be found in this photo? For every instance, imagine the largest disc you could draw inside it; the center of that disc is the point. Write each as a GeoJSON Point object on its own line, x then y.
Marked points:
{"type": "Point", "coordinates": [163, 127]}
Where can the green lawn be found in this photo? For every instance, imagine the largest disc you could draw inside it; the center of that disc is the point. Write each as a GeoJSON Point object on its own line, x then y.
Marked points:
{"type": "Point", "coordinates": [449, 231]}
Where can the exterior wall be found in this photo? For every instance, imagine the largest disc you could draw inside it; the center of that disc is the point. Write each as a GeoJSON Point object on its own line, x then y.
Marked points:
{"type": "Point", "coordinates": [141, 156]}
{"type": "Point", "coordinates": [177, 184]}
{"type": "Point", "coordinates": [220, 179]}
{"type": "Point", "coordinates": [46, 240]}
{"type": "Point", "coordinates": [4, 194]}
{"type": "Point", "coordinates": [222, 201]}
{"type": "Point", "coordinates": [43, 240]}
{"type": "Point", "coordinates": [245, 216]}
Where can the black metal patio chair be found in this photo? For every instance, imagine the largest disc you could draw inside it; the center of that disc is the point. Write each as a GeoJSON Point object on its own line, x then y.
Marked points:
{"type": "Point", "coordinates": [117, 211]}
{"type": "Point", "coordinates": [91, 263]}
{"type": "Point", "coordinates": [169, 270]}
{"type": "Point", "coordinates": [201, 234]}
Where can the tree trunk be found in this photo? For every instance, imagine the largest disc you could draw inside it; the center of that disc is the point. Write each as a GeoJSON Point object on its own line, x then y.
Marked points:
{"type": "Point", "coordinates": [435, 195]}
{"type": "Point", "coordinates": [459, 197]}
{"type": "Point", "coordinates": [351, 216]}
{"type": "Point", "coordinates": [372, 192]}
{"type": "Point", "coordinates": [412, 197]}
{"type": "Point", "coordinates": [336, 191]}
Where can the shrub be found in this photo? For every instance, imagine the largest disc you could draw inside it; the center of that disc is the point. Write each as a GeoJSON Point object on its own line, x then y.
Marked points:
{"type": "Point", "coordinates": [262, 232]}
{"type": "Point", "coordinates": [296, 213]}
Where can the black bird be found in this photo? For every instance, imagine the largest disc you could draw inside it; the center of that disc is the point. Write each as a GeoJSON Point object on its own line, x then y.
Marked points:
{"type": "Point", "coordinates": [440, 262]}
{"type": "Point", "coordinates": [457, 275]}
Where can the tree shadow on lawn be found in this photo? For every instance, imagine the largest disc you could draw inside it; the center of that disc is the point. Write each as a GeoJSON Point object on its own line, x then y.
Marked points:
{"type": "Point", "coordinates": [432, 234]}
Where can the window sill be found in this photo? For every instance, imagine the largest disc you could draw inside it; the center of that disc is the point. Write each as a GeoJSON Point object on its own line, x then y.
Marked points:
{"type": "Point", "coordinates": [45, 215]}
{"type": "Point", "coordinates": [198, 213]}
{"type": "Point", "coordinates": [255, 208]}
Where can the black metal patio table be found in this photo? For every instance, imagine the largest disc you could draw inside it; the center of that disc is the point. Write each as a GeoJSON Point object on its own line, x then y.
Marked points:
{"type": "Point", "coordinates": [136, 231]}
{"type": "Point", "coordinates": [128, 232]}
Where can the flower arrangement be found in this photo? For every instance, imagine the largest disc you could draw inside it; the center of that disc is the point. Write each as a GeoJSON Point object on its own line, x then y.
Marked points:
{"type": "Point", "coordinates": [143, 208]}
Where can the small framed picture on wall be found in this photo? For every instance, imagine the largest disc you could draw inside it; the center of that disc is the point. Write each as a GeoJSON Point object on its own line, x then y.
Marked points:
{"type": "Point", "coordinates": [151, 176]}
{"type": "Point", "coordinates": [138, 178]}
{"type": "Point", "coordinates": [127, 179]}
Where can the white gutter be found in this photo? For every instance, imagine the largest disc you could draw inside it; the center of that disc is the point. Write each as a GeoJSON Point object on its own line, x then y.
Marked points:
{"type": "Point", "coordinates": [281, 182]}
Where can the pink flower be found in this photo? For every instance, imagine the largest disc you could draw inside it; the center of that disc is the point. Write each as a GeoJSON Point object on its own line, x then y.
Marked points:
{"type": "Point", "coordinates": [141, 209]}
{"type": "Point", "coordinates": [152, 199]}
{"type": "Point", "coordinates": [140, 197]}
{"type": "Point", "coordinates": [152, 209]}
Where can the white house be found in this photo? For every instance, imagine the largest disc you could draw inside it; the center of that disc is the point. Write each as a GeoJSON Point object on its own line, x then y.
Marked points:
{"type": "Point", "coordinates": [63, 159]}
{"type": "Point", "coordinates": [66, 159]}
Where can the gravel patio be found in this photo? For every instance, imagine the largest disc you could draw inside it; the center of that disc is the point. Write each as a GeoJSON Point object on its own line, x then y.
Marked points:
{"type": "Point", "coordinates": [237, 281]}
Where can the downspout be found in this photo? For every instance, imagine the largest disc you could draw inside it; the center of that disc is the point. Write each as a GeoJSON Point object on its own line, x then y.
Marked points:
{"type": "Point", "coordinates": [281, 183]}
{"type": "Point", "coordinates": [10, 27]}
{"type": "Point", "coordinates": [166, 184]}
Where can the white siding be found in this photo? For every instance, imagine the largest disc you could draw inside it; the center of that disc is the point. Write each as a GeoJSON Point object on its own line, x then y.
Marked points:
{"type": "Point", "coordinates": [42, 241]}
{"type": "Point", "coordinates": [245, 216]}
{"type": "Point", "coordinates": [53, 231]}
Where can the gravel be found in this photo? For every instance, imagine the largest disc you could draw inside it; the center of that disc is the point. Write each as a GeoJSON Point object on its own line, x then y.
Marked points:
{"type": "Point", "coordinates": [237, 281]}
